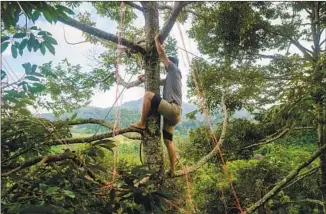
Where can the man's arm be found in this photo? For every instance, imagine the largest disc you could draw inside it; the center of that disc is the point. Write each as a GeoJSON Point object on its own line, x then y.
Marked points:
{"type": "Point", "coordinates": [161, 51]}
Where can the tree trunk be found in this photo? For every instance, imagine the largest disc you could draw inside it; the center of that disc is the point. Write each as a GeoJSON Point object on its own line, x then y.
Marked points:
{"type": "Point", "coordinates": [319, 93]}
{"type": "Point", "coordinates": [321, 142]}
{"type": "Point", "coordinates": [152, 146]}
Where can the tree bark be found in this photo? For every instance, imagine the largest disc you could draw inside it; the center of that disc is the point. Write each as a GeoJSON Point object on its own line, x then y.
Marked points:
{"type": "Point", "coordinates": [152, 145]}
{"type": "Point", "coordinates": [319, 92]}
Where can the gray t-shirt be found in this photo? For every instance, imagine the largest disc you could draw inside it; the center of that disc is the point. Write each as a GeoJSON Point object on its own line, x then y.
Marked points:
{"type": "Point", "coordinates": [172, 90]}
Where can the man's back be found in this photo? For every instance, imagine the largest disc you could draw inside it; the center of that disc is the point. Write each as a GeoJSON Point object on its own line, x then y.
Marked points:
{"type": "Point", "coordinates": [172, 91]}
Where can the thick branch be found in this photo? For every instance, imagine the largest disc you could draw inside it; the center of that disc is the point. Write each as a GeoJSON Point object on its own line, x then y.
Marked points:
{"type": "Point", "coordinates": [44, 159]}
{"type": "Point", "coordinates": [100, 34]}
{"type": "Point", "coordinates": [204, 160]}
{"type": "Point", "coordinates": [167, 7]}
{"type": "Point", "coordinates": [285, 180]}
{"type": "Point", "coordinates": [134, 5]}
{"type": "Point", "coordinates": [93, 138]}
{"type": "Point", "coordinates": [170, 22]}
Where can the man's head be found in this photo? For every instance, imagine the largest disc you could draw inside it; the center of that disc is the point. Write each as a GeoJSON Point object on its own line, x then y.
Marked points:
{"type": "Point", "coordinates": [174, 60]}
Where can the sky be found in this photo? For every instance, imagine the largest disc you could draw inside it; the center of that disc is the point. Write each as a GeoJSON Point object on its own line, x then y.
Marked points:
{"type": "Point", "coordinates": [78, 54]}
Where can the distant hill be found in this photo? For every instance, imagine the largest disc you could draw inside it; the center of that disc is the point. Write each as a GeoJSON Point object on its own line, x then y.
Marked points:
{"type": "Point", "coordinates": [130, 113]}
{"type": "Point", "coordinates": [137, 104]}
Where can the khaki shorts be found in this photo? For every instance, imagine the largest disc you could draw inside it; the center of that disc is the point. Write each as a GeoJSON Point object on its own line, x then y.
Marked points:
{"type": "Point", "coordinates": [171, 113]}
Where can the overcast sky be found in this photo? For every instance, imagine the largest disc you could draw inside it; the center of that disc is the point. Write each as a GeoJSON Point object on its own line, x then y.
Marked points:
{"type": "Point", "coordinates": [77, 54]}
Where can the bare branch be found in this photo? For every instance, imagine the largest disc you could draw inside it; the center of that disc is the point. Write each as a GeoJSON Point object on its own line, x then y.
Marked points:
{"type": "Point", "coordinates": [269, 139]}
{"type": "Point", "coordinates": [204, 160]}
{"type": "Point", "coordinates": [134, 5]}
{"type": "Point", "coordinates": [304, 175]}
{"type": "Point", "coordinates": [307, 200]}
{"type": "Point", "coordinates": [285, 180]}
{"type": "Point", "coordinates": [275, 136]}
{"type": "Point", "coordinates": [39, 160]}
{"type": "Point", "coordinates": [101, 34]}
{"type": "Point", "coordinates": [130, 84]}
{"type": "Point", "coordinates": [170, 22]}
{"type": "Point", "coordinates": [94, 137]}
{"type": "Point", "coordinates": [322, 42]}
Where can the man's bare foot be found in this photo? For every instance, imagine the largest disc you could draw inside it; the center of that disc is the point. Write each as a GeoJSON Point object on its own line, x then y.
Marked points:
{"type": "Point", "coordinates": [138, 125]}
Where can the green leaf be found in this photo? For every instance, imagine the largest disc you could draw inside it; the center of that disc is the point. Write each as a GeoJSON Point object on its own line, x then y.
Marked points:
{"type": "Point", "coordinates": [37, 88]}
{"type": "Point", "coordinates": [34, 68]}
{"type": "Point", "coordinates": [52, 190]}
{"type": "Point", "coordinates": [35, 15]}
{"type": "Point", "coordinates": [42, 33]}
{"type": "Point", "coordinates": [73, 116]}
{"type": "Point", "coordinates": [50, 47]}
{"type": "Point", "coordinates": [23, 44]}
{"type": "Point", "coordinates": [65, 9]}
{"type": "Point", "coordinates": [4, 46]}
{"type": "Point", "coordinates": [22, 83]}
{"type": "Point", "coordinates": [42, 48]}
{"type": "Point", "coordinates": [34, 28]}
{"type": "Point", "coordinates": [19, 35]}
{"type": "Point", "coordinates": [47, 16]}
{"type": "Point", "coordinates": [36, 45]}
{"type": "Point", "coordinates": [14, 51]}
{"type": "Point", "coordinates": [32, 78]}
{"type": "Point", "coordinates": [3, 74]}
{"type": "Point", "coordinates": [69, 193]}
{"type": "Point", "coordinates": [50, 40]}
{"type": "Point", "coordinates": [5, 38]}
{"type": "Point", "coordinates": [21, 52]}
{"type": "Point", "coordinates": [38, 74]}
{"type": "Point", "coordinates": [28, 68]}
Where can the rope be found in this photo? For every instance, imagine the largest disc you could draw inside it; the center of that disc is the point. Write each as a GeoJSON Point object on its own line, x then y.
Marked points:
{"type": "Point", "coordinates": [209, 122]}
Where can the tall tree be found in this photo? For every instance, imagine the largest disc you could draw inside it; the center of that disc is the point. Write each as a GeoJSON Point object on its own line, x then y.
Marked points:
{"type": "Point", "coordinates": [295, 81]}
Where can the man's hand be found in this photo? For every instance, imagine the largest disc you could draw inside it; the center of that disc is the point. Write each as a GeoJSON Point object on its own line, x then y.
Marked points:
{"type": "Point", "coordinates": [141, 77]}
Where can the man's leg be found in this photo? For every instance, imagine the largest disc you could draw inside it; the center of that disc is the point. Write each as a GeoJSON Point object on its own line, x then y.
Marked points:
{"type": "Point", "coordinates": [147, 103]}
{"type": "Point", "coordinates": [172, 155]}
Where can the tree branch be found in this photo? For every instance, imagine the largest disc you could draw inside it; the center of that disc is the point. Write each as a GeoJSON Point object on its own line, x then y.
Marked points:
{"type": "Point", "coordinates": [39, 160]}
{"type": "Point", "coordinates": [285, 180]}
{"type": "Point", "coordinates": [204, 160]}
{"type": "Point", "coordinates": [130, 84]}
{"type": "Point", "coordinates": [269, 139]}
{"type": "Point", "coordinates": [275, 136]}
{"type": "Point", "coordinates": [170, 22]}
{"type": "Point", "coordinates": [167, 7]}
{"type": "Point", "coordinates": [304, 175]}
{"type": "Point", "coordinates": [94, 137]}
{"type": "Point", "coordinates": [101, 34]}
{"type": "Point", "coordinates": [134, 5]}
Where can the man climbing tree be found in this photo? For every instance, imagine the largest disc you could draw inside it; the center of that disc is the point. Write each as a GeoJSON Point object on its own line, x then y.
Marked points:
{"type": "Point", "coordinates": [170, 106]}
